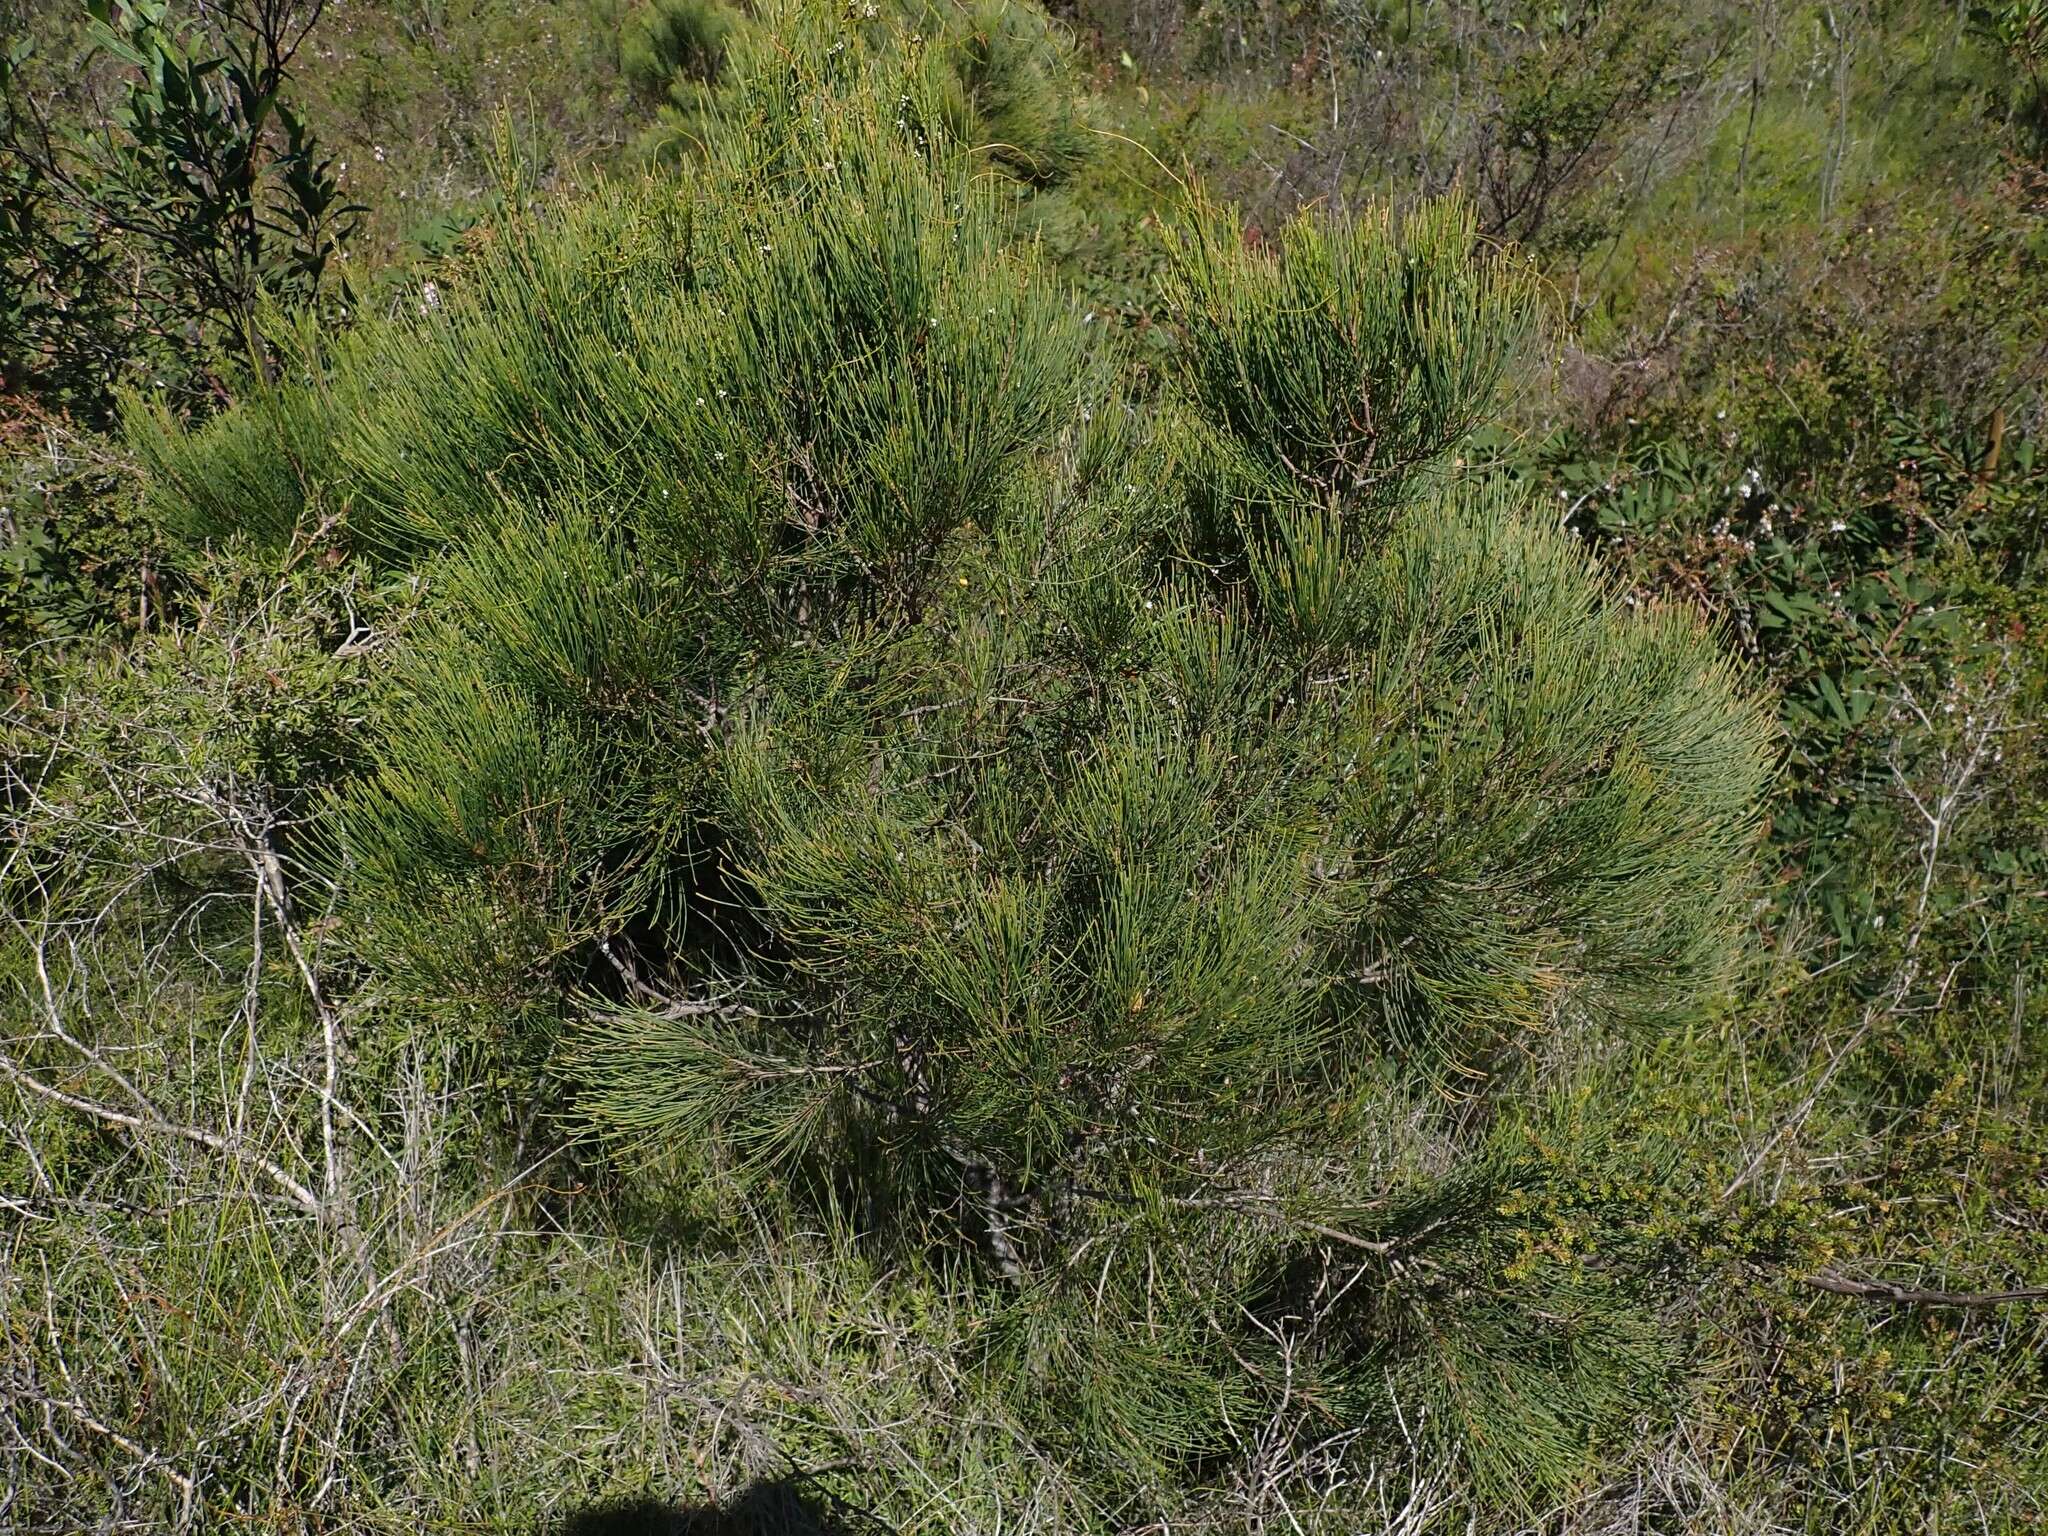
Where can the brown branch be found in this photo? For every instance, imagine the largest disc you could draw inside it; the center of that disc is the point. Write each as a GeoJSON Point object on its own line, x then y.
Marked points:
{"type": "Point", "coordinates": [1918, 1296]}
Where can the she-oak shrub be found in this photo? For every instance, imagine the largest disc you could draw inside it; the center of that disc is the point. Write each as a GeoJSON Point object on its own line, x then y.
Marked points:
{"type": "Point", "coordinates": [1137, 854]}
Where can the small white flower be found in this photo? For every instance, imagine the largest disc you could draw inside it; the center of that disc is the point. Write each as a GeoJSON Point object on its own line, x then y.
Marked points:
{"type": "Point", "coordinates": [430, 296]}
{"type": "Point", "coordinates": [1838, 526]}
{"type": "Point", "coordinates": [378, 154]}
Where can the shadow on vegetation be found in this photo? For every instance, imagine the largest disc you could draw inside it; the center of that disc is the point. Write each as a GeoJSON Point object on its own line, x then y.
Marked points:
{"type": "Point", "coordinates": [771, 1507]}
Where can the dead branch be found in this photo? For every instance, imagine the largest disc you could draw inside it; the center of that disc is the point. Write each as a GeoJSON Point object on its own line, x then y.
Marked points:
{"type": "Point", "coordinates": [149, 1118]}
{"type": "Point", "coordinates": [1920, 1296]}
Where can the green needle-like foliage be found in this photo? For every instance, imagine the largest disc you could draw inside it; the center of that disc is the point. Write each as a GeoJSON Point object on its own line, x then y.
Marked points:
{"type": "Point", "coordinates": [667, 41]}
{"type": "Point", "coordinates": [994, 74]}
{"type": "Point", "coordinates": [1146, 851]}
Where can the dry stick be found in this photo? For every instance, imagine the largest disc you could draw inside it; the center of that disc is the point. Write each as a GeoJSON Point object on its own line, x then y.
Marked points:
{"type": "Point", "coordinates": [1938, 819]}
{"type": "Point", "coordinates": [1792, 1122]}
{"type": "Point", "coordinates": [437, 1243]}
{"type": "Point", "coordinates": [141, 1453]}
{"type": "Point", "coordinates": [147, 1116]}
{"type": "Point", "coordinates": [152, 1119]}
{"type": "Point", "coordinates": [252, 1001]}
{"type": "Point", "coordinates": [1914, 1295]}
{"type": "Point", "coordinates": [269, 874]}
